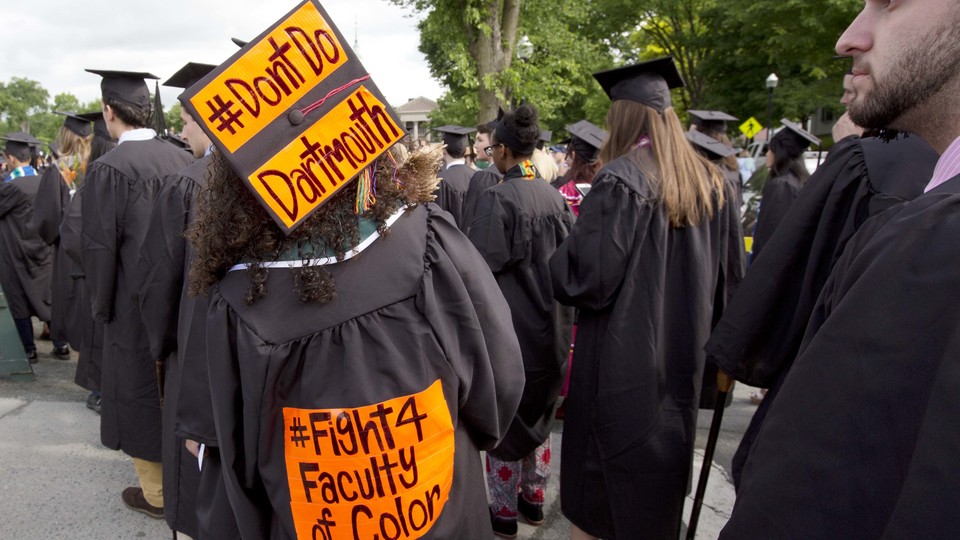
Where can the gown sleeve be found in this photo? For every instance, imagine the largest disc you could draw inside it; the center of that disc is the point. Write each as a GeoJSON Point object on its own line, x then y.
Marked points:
{"type": "Point", "coordinates": [492, 232]}
{"type": "Point", "coordinates": [162, 266]}
{"type": "Point", "coordinates": [52, 195]}
{"type": "Point", "coordinates": [590, 265]}
{"type": "Point", "coordinates": [233, 406]}
{"type": "Point", "coordinates": [104, 198]}
{"type": "Point", "coordinates": [778, 197]}
{"type": "Point", "coordinates": [463, 303]}
{"type": "Point", "coordinates": [11, 197]}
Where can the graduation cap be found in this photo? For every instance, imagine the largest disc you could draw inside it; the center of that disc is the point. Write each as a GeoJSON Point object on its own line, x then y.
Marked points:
{"type": "Point", "coordinates": [126, 86]}
{"type": "Point", "coordinates": [177, 141]}
{"type": "Point", "coordinates": [239, 42]}
{"type": "Point", "coordinates": [54, 149]}
{"type": "Point", "coordinates": [647, 82]}
{"type": "Point", "coordinates": [99, 125]}
{"type": "Point", "coordinates": [586, 139]}
{"type": "Point", "coordinates": [189, 74]}
{"type": "Point", "coordinates": [455, 137]}
{"type": "Point", "coordinates": [543, 138]}
{"type": "Point", "coordinates": [711, 148]}
{"type": "Point", "coordinates": [19, 144]}
{"type": "Point", "coordinates": [801, 135]}
{"type": "Point", "coordinates": [711, 120]}
{"type": "Point", "coordinates": [297, 116]}
{"type": "Point", "coordinates": [76, 124]}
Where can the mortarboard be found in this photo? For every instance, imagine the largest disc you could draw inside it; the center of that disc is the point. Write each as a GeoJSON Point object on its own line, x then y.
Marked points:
{"type": "Point", "coordinates": [296, 115]}
{"type": "Point", "coordinates": [708, 146]}
{"type": "Point", "coordinates": [126, 86]}
{"type": "Point", "coordinates": [586, 139]}
{"type": "Point", "coordinates": [99, 125]}
{"type": "Point", "coordinates": [239, 42]}
{"type": "Point", "coordinates": [177, 141]}
{"type": "Point", "coordinates": [647, 82]}
{"type": "Point", "coordinates": [711, 120]}
{"type": "Point", "coordinates": [543, 138]}
{"type": "Point", "coordinates": [54, 149]}
{"type": "Point", "coordinates": [188, 75]}
{"type": "Point", "coordinates": [455, 137]}
{"type": "Point", "coordinates": [76, 124]}
{"type": "Point", "coordinates": [802, 136]}
{"type": "Point", "coordinates": [19, 144]}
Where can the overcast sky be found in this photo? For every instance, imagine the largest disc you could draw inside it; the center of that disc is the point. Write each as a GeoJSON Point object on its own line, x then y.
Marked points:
{"type": "Point", "coordinates": [57, 39]}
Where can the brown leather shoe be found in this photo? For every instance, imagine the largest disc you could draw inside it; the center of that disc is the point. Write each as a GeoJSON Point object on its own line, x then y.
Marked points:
{"type": "Point", "coordinates": [133, 498]}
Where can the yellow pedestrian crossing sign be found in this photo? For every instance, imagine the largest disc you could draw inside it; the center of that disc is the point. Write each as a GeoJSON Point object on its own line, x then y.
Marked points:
{"type": "Point", "coordinates": [751, 127]}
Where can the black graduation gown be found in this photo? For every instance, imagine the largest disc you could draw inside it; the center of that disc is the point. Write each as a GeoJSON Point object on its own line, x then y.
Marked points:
{"type": "Point", "coordinates": [479, 182]}
{"type": "Point", "coordinates": [779, 193]}
{"type": "Point", "coordinates": [174, 323]}
{"type": "Point", "coordinates": [84, 333]}
{"type": "Point", "coordinates": [518, 226]}
{"type": "Point", "coordinates": [26, 261]}
{"type": "Point", "coordinates": [416, 309]}
{"type": "Point", "coordinates": [48, 209]}
{"type": "Point", "coordinates": [119, 189]}
{"type": "Point", "coordinates": [758, 338]}
{"type": "Point", "coordinates": [730, 278]}
{"type": "Point", "coordinates": [646, 293]}
{"type": "Point", "coordinates": [454, 182]}
{"type": "Point", "coordinates": [862, 440]}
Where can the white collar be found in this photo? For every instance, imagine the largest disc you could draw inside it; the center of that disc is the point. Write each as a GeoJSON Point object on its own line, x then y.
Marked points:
{"type": "Point", "coordinates": [456, 162]}
{"type": "Point", "coordinates": [140, 134]}
{"type": "Point", "coordinates": [323, 261]}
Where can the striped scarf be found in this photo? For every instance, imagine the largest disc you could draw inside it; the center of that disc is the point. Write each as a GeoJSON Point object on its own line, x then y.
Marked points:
{"type": "Point", "coordinates": [26, 170]}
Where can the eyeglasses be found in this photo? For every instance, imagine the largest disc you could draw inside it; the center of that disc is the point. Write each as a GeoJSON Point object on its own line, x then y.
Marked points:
{"type": "Point", "coordinates": [489, 149]}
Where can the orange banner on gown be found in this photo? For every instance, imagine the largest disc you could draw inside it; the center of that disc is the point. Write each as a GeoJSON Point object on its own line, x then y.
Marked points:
{"type": "Point", "coordinates": [382, 470]}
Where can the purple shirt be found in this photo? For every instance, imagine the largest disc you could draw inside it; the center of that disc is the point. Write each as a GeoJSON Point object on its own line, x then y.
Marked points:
{"type": "Point", "coordinates": [947, 167]}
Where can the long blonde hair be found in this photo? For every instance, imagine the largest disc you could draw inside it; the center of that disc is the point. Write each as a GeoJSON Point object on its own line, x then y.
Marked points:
{"type": "Point", "coordinates": [74, 151]}
{"type": "Point", "coordinates": [686, 180]}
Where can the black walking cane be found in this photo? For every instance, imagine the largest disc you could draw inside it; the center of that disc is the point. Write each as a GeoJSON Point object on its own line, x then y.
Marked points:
{"type": "Point", "coordinates": [724, 387]}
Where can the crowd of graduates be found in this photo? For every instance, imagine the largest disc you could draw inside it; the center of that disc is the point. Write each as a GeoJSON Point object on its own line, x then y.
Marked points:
{"type": "Point", "coordinates": [264, 379]}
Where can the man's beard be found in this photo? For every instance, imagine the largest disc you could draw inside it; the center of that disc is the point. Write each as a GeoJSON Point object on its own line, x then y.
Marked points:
{"type": "Point", "coordinates": [917, 74]}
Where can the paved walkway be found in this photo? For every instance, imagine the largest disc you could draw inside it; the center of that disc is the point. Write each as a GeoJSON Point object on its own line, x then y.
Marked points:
{"type": "Point", "coordinates": [59, 482]}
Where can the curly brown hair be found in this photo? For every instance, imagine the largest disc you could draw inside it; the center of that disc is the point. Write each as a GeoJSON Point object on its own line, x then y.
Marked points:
{"type": "Point", "coordinates": [232, 227]}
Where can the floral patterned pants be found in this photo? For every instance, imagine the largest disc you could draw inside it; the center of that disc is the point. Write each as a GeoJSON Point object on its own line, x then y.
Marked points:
{"type": "Point", "coordinates": [528, 476]}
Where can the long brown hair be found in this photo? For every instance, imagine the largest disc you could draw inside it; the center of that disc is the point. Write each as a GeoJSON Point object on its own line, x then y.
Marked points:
{"type": "Point", "coordinates": [232, 227]}
{"type": "Point", "coordinates": [687, 181]}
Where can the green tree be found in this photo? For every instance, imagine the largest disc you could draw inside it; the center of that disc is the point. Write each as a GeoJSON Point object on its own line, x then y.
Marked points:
{"type": "Point", "coordinates": [793, 38]}
{"type": "Point", "coordinates": [556, 76]}
{"type": "Point", "coordinates": [19, 100]}
{"type": "Point", "coordinates": [172, 116]}
{"type": "Point", "coordinates": [478, 36]}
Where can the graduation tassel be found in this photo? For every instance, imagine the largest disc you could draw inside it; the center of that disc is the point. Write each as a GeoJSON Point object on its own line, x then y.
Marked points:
{"type": "Point", "coordinates": [396, 168]}
{"type": "Point", "coordinates": [366, 191]}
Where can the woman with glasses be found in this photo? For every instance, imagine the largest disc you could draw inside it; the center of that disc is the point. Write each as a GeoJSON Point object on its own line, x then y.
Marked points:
{"type": "Point", "coordinates": [517, 226]}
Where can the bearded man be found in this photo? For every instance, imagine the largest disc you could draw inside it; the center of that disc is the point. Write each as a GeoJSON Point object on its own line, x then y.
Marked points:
{"type": "Point", "coordinates": [862, 440]}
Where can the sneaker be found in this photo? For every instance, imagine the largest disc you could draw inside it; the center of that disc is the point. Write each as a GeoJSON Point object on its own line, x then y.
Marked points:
{"type": "Point", "coordinates": [61, 353]}
{"type": "Point", "coordinates": [93, 401]}
{"type": "Point", "coordinates": [133, 498]}
{"type": "Point", "coordinates": [503, 527]}
{"type": "Point", "coordinates": [32, 357]}
{"type": "Point", "coordinates": [532, 513]}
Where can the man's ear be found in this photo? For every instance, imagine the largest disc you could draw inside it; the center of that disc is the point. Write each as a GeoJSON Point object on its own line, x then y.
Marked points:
{"type": "Point", "coordinates": [108, 114]}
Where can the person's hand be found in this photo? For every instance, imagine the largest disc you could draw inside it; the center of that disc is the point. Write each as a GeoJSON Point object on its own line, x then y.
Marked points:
{"type": "Point", "coordinates": [193, 447]}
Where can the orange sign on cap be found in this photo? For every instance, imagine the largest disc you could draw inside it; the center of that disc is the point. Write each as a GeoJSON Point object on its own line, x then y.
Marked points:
{"type": "Point", "coordinates": [379, 471]}
{"type": "Point", "coordinates": [298, 80]}
{"type": "Point", "coordinates": [325, 156]}
{"type": "Point", "coordinates": [271, 76]}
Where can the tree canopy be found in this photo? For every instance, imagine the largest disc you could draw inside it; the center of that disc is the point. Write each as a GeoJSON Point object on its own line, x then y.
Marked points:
{"type": "Point", "coordinates": [725, 50]}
